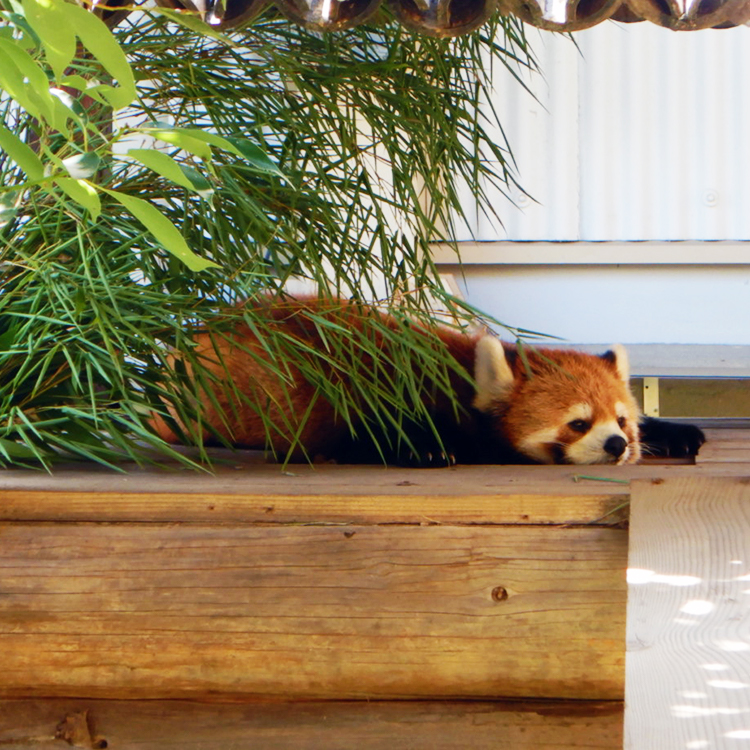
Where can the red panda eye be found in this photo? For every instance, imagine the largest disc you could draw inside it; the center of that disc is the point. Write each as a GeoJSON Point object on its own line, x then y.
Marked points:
{"type": "Point", "coordinates": [579, 425]}
{"type": "Point", "coordinates": [621, 421]}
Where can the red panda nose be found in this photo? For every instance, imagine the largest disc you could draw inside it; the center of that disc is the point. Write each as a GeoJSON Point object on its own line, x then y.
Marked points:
{"type": "Point", "coordinates": [615, 446]}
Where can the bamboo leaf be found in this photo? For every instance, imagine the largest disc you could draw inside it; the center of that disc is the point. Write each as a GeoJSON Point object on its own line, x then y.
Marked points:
{"type": "Point", "coordinates": [163, 230]}
{"type": "Point", "coordinates": [21, 154]}
{"type": "Point", "coordinates": [8, 207]}
{"type": "Point", "coordinates": [166, 166]}
{"type": "Point", "coordinates": [247, 150]}
{"type": "Point", "coordinates": [82, 166]}
{"type": "Point", "coordinates": [51, 26]}
{"type": "Point", "coordinates": [182, 138]}
{"type": "Point", "coordinates": [11, 449]}
{"type": "Point", "coordinates": [99, 41]}
{"type": "Point", "coordinates": [198, 142]}
{"type": "Point", "coordinates": [81, 192]}
{"type": "Point", "coordinates": [22, 84]}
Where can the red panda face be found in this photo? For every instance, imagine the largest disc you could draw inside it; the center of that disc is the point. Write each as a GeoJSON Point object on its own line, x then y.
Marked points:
{"type": "Point", "coordinates": [559, 406]}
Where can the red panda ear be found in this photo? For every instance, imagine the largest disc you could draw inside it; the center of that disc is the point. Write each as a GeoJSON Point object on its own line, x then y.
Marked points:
{"type": "Point", "coordinates": [618, 357]}
{"type": "Point", "coordinates": [493, 375]}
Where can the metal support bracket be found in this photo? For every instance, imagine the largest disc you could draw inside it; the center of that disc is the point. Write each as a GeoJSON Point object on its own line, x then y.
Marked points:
{"type": "Point", "coordinates": [651, 397]}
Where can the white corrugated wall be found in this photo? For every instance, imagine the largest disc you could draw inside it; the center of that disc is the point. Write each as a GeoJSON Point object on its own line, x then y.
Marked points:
{"type": "Point", "coordinates": [639, 134]}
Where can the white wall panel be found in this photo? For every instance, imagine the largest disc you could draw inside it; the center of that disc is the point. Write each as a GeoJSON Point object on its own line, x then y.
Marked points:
{"type": "Point", "coordinates": [543, 146]}
{"type": "Point", "coordinates": [625, 304]}
{"type": "Point", "coordinates": [641, 136]}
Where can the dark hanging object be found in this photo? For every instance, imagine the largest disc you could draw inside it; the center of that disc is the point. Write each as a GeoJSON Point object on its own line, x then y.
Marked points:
{"type": "Point", "coordinates": [221, 14]}
{"type": "Point", "coordinates": [447, 18]}
{"type": "Point", "coordinates": [624, 14]}
{"type": "Point", "coordinates": [110, 11]}
{"type": "Point", "coordinates": [230, 14]}
{"type": "Point", "coordinates": [327, 15]}
{"type": "Point", "coordinates": [442, 18]}
{"type": "Point", "coordinates": [572, 15]}
{"type": "Point", "coordinates": [683, 16]}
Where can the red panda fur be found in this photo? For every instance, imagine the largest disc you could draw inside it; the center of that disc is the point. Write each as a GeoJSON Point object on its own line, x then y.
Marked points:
{"type": "Point", "coordinates": [541, 405]}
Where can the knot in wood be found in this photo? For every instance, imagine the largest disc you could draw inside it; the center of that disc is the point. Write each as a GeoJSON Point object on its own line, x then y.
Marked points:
{"type": "Point", "coordinates": [499, 594]}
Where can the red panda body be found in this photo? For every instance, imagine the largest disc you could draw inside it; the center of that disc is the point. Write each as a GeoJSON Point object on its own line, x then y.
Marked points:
{"type": "Point", "coordinates": [547, 406]}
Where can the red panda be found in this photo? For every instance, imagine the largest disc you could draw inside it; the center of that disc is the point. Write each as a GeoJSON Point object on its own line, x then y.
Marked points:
{"type": "Point", "coordinates": [535, 406]}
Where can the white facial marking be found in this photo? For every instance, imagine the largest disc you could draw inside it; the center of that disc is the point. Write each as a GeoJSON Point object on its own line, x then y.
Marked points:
{"type": "Point", "coordinates": [582, 411]}
{"type": "Point", "coordinates": [590, 448]}
{"type": "Point", "coordinates": [535, 445]}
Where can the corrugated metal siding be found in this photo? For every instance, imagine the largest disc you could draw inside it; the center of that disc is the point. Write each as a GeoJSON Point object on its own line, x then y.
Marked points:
{"type": "Point", "coordinates": [640, 134]}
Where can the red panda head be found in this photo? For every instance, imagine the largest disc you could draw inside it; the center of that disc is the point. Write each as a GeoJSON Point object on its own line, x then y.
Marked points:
{"type": "Point", "coordinates": [559, 406]}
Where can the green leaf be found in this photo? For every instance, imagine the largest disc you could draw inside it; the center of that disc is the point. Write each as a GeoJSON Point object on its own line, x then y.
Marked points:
{"type": "Point", "coordinates": [183, 139]}
{"type": "Point", "coordinates": [253, 154]}
{"type": "Point", "coordinates": [163, 230]}
{"type": "Point", "coordinates": [99, 41]}
{"type": "Point", "coordinates": [194, 140]}
{"type": "Point", "coordinates": [24, 81]}
{"type": "Point", "coordinates": [57, 36]}
{"type": "Point", "coordinates": [81, 192]}
{"type": "Point", "coordinates": [21, 154]}
{"type": "Point", "coordinates": [82, 166]}
{"type": "Point", "coordinates": [11, 449]}
{"type": "Point", "coordinates": [8, 207]}
{"type": "Point", "coordinates": [166, 166]}
{"type": "Point", "coordinates": [200, 184]}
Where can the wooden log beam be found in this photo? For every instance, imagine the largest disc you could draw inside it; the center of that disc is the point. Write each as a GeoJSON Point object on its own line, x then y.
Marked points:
{"type": "Point", "coordinates": [333, 725]}
{"type": "Point", "coordinates": [169, 611]}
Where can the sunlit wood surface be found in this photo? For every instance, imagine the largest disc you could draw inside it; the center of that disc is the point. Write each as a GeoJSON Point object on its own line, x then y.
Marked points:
{"type": "Point", "coordinates": [316, 599]}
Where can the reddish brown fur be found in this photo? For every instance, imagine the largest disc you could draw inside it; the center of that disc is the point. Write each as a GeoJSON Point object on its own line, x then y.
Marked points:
{"type": "Point", "coordinates": [570, 378]}
{"type": "Point", "coordinates": [532, 404]}
{"type": "Point", "coordinates": [238, 361]}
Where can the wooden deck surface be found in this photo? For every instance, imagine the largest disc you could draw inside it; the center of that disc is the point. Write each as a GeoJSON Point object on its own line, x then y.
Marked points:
{"type": "Point", "coordinates": [688, 643]}
{"type": "Point", "coordinates": [365, 585]}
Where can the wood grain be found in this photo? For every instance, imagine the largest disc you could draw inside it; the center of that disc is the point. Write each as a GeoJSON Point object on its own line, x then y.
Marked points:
{"type": "Point", "coordinates": [161, 611]}
{"type": "Point", "coordinates": [688, 661]}
{"type": "Point", "coordinates": [379, 725]}
{"type": "Point", "coordinates": [605, 508]}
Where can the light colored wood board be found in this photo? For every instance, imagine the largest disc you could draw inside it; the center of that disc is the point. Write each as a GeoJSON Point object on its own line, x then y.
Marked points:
{"type": "Point", "coordinates": [715, 434]}
{"type": "Point", "coordinates": [725, 457]}
{"type": "Point", "coordinates": [122, 610]}
{"type": "Point", "coordinates": [727, 445]}
{"type": "Point", "coordinates": [67, 505]}
{"type": "Point", "coordinates": [724, 434]}
{"type": "Point", "coordinates": [485, 495]}
{"type": "Point", "coordinates": [332, 480]}
{"type": "Point", "coordinates": [688, 660]}
{"type": "Point", "coordinates": [724, 453]}
{"type": "Point", "coordinates": [379, 725]}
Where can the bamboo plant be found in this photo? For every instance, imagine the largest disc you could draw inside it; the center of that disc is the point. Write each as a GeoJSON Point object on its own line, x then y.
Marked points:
{"type": "Point", "coordinates": [155, 174]}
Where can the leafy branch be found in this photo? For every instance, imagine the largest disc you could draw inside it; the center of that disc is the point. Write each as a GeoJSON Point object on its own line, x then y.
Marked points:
{"type": "Point", "coordinates": [153, 175]}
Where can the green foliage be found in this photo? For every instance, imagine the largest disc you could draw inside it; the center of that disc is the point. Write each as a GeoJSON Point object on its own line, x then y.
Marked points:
{"type": "Point", "coordinates": [281, 155]}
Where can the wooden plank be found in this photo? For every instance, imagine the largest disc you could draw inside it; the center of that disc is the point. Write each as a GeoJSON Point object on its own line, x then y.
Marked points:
{"type": "Point", "coordinates": [688, 660]}
{"type": "Point", "coordinates": [248, 478]}
{"type": "Point", "coordinates": [255, 493]}
{"type": "Point", "coordinates": [725, 446]}
{"type": "Point", "coordinates": [165, 611]}
{"type": "Point", "coordinates": [606, 508]}
{"type": "Point", "coordinates": [724, 457]}
{"type": "Point", "coordinates": [725, 434]}
{"type": "Point", "coordinates": [379, 725]}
